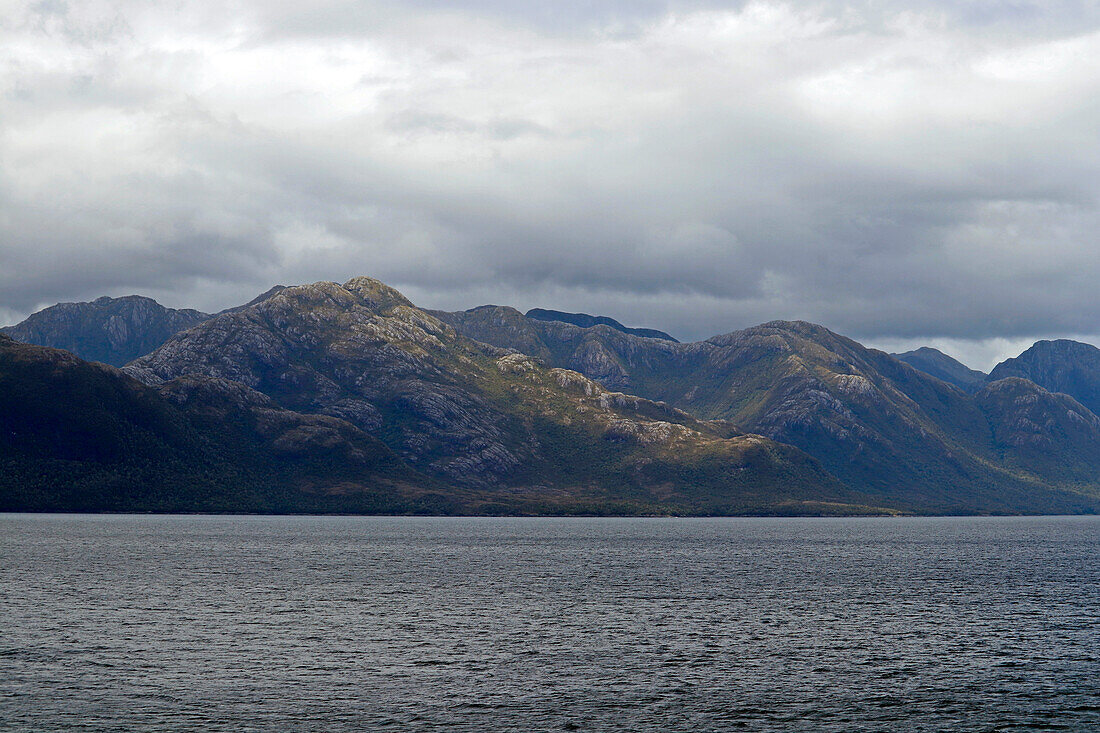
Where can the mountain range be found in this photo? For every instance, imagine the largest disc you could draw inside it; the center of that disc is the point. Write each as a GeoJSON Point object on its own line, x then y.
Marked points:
{"type": "Point", "coordinates": [349, 398]}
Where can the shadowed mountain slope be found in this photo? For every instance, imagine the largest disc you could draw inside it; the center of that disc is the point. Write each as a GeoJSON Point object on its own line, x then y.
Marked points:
{"type": "Point", "coordinates": [83, 436]}
{"type": "Point", "coordinates": [109, 330]}
{"type": "Point", "coordinates": [112, 330]}
{"type": "Point", "coordinates": [1066, 366]}
{"type": "Point", "coordinates": [941, 366]}
{"type": "Point", "coordinates": [586, 321]}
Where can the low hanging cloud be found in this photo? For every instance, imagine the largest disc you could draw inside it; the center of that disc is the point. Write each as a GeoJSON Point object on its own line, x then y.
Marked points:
{"type": "Point", "coordinates": [898, 172]}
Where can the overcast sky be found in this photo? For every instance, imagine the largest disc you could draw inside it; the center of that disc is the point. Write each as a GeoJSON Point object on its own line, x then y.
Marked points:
{"type": "Point", "coordinates": [901, 173]}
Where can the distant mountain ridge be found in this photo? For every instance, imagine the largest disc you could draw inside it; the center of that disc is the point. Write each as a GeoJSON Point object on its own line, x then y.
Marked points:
{"type": "Point", "coordinates": [1066, 366]}
{"type": "Point", "coordinates": [940, 365]}
{"type": "Point", "coordinates": [110, 330]}
{"type": "Point", "coordinates": [586, 321]}
{"type": "Point", "coordinates": [113, 331]}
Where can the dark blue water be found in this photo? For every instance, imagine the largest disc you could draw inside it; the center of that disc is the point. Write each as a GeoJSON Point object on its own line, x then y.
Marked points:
{"type": "Point", "coordinates": [339, 624]}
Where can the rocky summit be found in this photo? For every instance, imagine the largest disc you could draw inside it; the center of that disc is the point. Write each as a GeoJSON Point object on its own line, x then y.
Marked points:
{"type": "Point", "coordinates": [1063, 365]}
{"type": "Point", "coordinates": [109, 330]}
{"type": "Point", "coordinates": [941, 366]}
{"type": "Point", "coordinates": [112, 330]}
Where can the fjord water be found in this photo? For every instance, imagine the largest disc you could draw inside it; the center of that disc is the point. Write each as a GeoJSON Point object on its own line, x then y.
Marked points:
{"type": "Point", "coordinates": [340, 623]}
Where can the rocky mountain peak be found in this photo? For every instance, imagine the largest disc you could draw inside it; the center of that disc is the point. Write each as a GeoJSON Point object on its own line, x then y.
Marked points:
{"type": "Point", "coordinates": [376, 295]}
{"type": "Point", "coordinates": [323, 294]}
{"type": "Point", "coordinates": [802, 328]}
{"type": "Point", "coordinates": [1043, 352]}
{"type": "Point", "coordinates": [941, 366]}
{"type": "Point", "coordinates": [1062, 365]}
{"type": "Point", "coordinates": [109, 330]}
{"type": "Point", "coordinates": [801, 338]}
{"type": "Point", "coordinates": [503, 313]}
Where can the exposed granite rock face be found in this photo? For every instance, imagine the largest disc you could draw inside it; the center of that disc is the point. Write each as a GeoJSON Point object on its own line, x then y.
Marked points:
{"type": "Point", "coordinates": [875, 422]}
{"type": "Point", "coordinates": [1033, 427]}
{"type": "Point", "coordinates": [109, 330]}
{"type": "Point", "coordinates": [941, 366]}
{"type": "Point", "coordinates": [611, 356]}
{"type": "Point", "coordinates": [112, 330]}
{"type": "Point", "coordinates": [291, 434]}
{"type": "Point", "coordinates": [1027, 415]}
{"type": "Point", "coordinates": [1066, 366]}
{"type": "Point", "coordinates": [476, 416]}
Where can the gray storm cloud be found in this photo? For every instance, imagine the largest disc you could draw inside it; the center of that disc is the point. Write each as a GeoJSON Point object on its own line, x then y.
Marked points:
{"type": "Point", "coordinates": [894, 171]}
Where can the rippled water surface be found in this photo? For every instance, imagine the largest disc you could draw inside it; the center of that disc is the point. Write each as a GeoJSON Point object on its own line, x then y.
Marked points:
{"type": "Point", "coordinates": [337, 624]}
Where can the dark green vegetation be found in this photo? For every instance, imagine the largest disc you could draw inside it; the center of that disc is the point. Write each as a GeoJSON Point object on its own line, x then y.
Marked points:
{"type": "Point", "coordinates": [80, 436]}
{"type": "Point", "coordinates": [332, 397]}
{"type": "Point", "coordinates": [586, 321]}
{"type": "Point", "coordinates": [941, 366]}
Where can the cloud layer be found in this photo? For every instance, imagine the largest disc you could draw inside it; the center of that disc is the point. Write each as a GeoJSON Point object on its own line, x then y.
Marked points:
{"type": "Point", "coordinates": [897, 172]}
